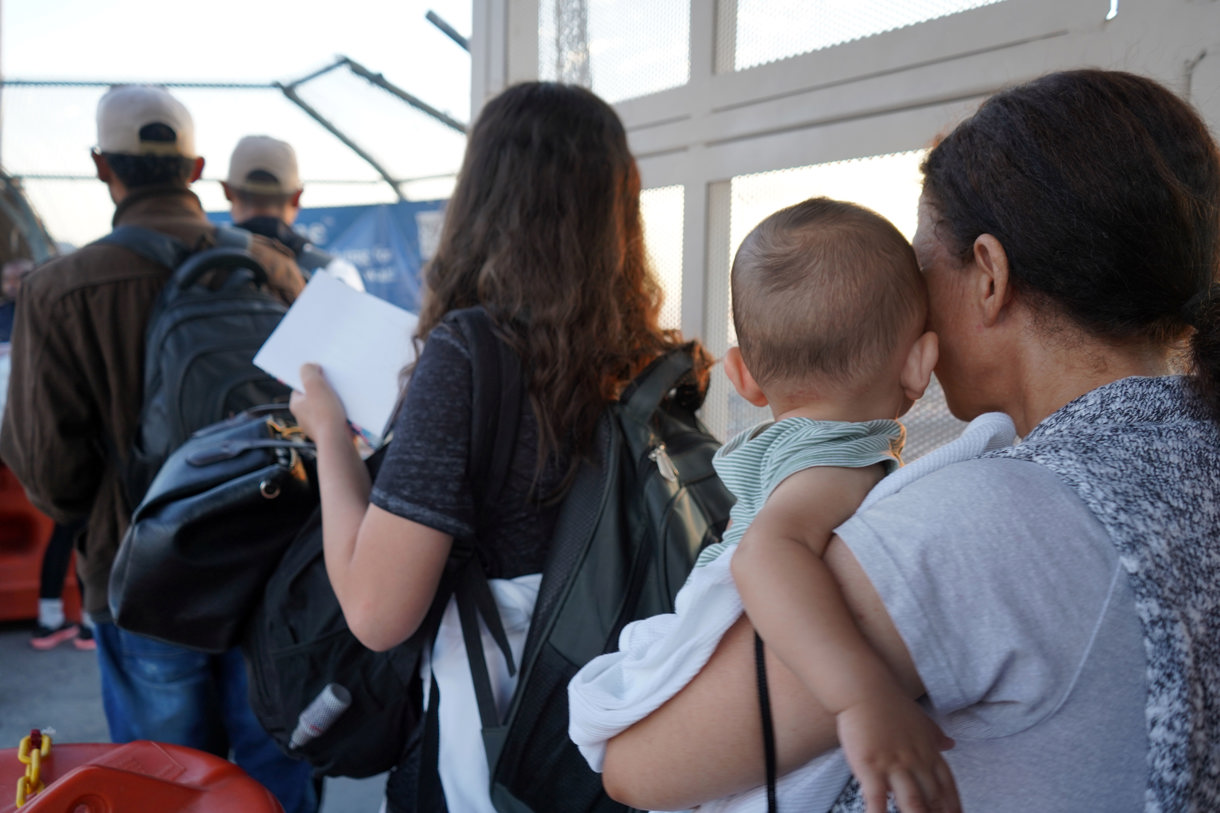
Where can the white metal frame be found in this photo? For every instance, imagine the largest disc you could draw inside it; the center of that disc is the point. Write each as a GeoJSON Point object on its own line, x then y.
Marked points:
{"type": "Point", "coordinates": [887, 93]}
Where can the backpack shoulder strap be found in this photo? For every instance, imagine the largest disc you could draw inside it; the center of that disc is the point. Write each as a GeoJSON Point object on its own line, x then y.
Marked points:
{"type": "Point", "coordinates": [157, 247]}
{"type": "Point", "coordinates": [496, 398]}
{"type": "Point", "coordinates": [233, 237]}
{"type": "Point", "coordinates": [172, 253]}
{"type": "Point", "coordinates": [150, 244]}
{"type": "Point", "coordinates": [495, 414]}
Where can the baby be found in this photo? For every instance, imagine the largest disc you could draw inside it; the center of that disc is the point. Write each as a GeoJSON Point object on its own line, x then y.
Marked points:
{"type": "Point", "coordinates": [830, 310]}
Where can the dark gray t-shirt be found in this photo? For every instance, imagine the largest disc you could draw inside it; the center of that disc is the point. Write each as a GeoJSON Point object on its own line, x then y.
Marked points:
{"type": "Point", "coordinates": [426, 474]}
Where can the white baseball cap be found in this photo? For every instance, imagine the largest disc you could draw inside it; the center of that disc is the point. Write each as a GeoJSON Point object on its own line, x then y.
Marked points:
{"type": "Point", "coordinates": [126, 110]}
{"type": "Point", "coordinates": [272, 162]}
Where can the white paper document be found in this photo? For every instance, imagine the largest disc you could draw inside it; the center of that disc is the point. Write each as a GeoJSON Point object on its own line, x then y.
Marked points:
{"type": "Point", "coordinates": [361, 342]}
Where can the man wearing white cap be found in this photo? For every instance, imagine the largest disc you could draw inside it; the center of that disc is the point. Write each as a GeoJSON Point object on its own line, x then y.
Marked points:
{"type": "Point", "coordinates": [264, 192]}
{"type": "Point", "coordinates": [76, 384]}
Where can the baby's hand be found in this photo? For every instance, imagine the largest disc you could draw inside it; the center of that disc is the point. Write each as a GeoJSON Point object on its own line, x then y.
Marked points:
{"type": "Point", "coordinates": [891, 745]}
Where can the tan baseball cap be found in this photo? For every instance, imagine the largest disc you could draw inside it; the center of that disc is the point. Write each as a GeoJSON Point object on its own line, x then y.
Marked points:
{"type": "Point", "coordinates": [271, 162]}
{"type": "Point", "coordinates": [126, 110]}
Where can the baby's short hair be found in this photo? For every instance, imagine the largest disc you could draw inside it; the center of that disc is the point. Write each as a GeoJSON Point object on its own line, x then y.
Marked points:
{"type": "Point", "coordinates": [823, 290]}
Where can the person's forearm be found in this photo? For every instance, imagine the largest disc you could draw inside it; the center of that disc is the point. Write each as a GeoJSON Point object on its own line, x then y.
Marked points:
{"type": "Point", "coordinates": [706, 742]}
{"type": "Point", "coordinates": [384, 569]}
{"type": "Point", "coordinates": [343, 482]}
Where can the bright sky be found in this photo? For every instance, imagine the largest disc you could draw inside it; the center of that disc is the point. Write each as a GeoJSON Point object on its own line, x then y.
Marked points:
{"type": "Point", "coordinates": [49, 130]}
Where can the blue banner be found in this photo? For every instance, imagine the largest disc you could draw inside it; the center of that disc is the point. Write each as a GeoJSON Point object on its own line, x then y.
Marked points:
{"type": "Point", "coordinates": [387, 242]}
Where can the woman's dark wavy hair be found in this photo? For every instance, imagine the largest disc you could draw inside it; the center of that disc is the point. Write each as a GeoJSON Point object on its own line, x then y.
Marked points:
{"type": "Point", "coordinates": [1104, 189]}
{"type": "Point", "coordinates": [543, 230]}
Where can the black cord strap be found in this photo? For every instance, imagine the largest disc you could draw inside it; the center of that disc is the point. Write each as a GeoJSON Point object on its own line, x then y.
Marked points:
{"type": "Point", "coordinates": [768, 725]}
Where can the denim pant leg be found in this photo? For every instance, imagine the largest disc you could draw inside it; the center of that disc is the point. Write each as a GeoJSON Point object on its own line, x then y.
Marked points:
{"type": "Point", "coordinates": [157, 691]}
{"type": "Point", "coordinates": [291, 780]}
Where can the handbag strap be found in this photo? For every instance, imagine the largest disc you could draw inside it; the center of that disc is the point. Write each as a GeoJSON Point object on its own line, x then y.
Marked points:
{"type": "Point", "coordinates": [229, 449]}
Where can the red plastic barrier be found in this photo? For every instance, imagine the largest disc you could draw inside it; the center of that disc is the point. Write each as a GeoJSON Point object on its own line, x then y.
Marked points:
{"type": "Point", "coordinates": [138, 777]}
{"type": "Point", "coordinates": [24, 532]}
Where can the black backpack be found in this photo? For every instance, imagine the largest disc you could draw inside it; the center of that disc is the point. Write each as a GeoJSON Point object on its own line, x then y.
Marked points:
{"type": "Point", "coordinates": [200, 344]}
{"type": "Point", "coordinates": [297, 643]}
{"type": "Point", "coordinates": [628, 534]}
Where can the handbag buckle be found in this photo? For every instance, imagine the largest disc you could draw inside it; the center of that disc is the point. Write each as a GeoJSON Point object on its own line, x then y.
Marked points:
{"type": "Point", "coordinates": [285, 430]}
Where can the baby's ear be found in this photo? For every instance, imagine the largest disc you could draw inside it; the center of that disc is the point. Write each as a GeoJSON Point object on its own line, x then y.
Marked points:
{"type": "Point", "coordinates": [917, 372]}
{"type": "Point", "coordinates": [743, 382]}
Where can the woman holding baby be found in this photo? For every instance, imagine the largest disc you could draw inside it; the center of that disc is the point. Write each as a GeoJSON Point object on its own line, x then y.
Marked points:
{"type": "Point", "coordinates": [1053, 604]}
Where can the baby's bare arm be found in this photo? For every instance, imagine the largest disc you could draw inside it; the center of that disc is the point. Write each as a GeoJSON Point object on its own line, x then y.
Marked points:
{"type": "Point", "coordinates": [704, 743]}
{"type": "Point", "coordinates": [794, 601]}
{"type": "Point", "coordinates": [790, 595]}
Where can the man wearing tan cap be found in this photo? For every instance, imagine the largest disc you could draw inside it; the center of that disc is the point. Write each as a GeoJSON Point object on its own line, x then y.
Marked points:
{"type": "Point", "coordinates": [264, 193]}
{"type": "Point", "coordinates": [75, 395]}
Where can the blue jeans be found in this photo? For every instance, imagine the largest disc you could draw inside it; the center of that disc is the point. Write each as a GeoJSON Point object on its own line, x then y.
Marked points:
{"type": "Point", "coordinates": [157, 691]}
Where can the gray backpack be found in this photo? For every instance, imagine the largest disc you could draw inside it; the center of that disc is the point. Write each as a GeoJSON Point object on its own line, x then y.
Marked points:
{"type": "Point", "coordinates": [200, 344]}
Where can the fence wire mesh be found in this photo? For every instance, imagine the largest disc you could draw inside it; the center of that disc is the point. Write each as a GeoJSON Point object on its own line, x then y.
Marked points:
{"type": "Point", "coordinates": [756, 32]}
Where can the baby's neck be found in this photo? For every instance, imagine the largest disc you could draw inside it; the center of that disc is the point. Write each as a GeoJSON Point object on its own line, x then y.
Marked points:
{"type": "Point", "coordinates": [834, 409]}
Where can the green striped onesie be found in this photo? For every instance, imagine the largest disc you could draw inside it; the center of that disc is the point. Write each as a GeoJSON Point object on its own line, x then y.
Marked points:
{"type": "Point", "coordinates": [757, 460]}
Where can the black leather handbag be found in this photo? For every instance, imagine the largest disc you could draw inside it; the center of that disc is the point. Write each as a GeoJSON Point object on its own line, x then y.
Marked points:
{"type": "Point", "coordinates": [211, 528]}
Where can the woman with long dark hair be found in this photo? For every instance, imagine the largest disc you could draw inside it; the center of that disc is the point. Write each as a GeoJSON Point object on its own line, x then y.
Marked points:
{"type": "Point", "coordinates": [543, 232]}
{"type": "Point", "coordinates": [1053, 603]}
